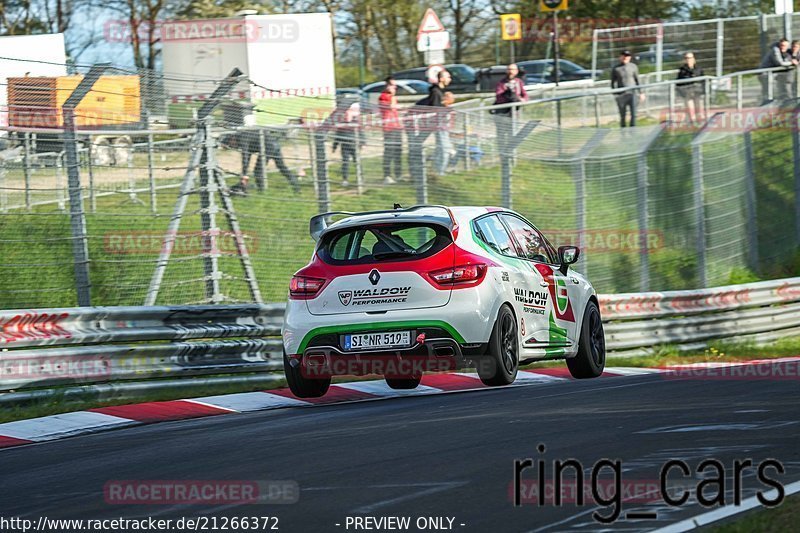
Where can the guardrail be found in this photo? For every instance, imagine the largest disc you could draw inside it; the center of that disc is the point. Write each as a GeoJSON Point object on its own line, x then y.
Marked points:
{"type": "Point", "coordinates": [127, 350]}
{"type": "Point", "coordinates": [762, 311]}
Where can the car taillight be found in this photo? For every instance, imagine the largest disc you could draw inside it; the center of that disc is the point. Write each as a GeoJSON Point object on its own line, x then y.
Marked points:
{"type": "Point", "coordinates": [304, 288]}
{"type": "Point", "coordinates": [463, 274]}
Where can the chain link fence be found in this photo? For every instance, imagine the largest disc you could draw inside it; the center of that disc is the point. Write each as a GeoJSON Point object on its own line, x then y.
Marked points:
{"type": "Point", "coordinates": [218, 211]}
{"type": "Point", "coordinates": [720, 45]}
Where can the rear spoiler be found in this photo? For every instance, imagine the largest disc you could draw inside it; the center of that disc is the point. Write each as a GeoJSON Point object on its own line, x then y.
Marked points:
{"type": "Point", "coordinates": [319, 223]}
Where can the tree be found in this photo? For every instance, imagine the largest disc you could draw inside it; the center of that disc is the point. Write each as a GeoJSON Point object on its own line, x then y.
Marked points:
{"type": "Point", "coordinates": [468, 21]}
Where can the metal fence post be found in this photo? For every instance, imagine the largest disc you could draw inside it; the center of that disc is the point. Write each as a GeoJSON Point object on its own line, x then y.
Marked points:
{"type": "Point", "coordinates": [466, 142]}
{"type": "Point", "coordinates": [26, 169]}
{"type": "Point", "coordinates": [262, 153]}
{"type": "Point", "coordinates": [151, 177]}
{"type": "Point", "coordinates": [208, 218]}
{"type": "Point", "coordinates": [359, 169]}
{"type": "Point", "coordinates": [671, 103]}
{"type": "Point", "coordinates": [90, 166]}
{"type": "Point", "coordinates": [323, 193]}
{"type": "Point", "coordinates": [796, 158]}
{"type": "Point", "coordinates": [707, 97]}
{"type": "Point", "coordinates": [750, 202]}
{"type": "Point", "coordinates": [787, 25]}
{"type": "Point", "coordinates": [311, 159]}
{"type": "Point", "coordinates": [594, 54]}
{"type": "Point", "coordinates": [62, 206]}
{"type": "Point", "coordinates": [699, 206]}
{"type": "Point", "coordinates": [596, 111]}
{"type": "Point", "coordinates": [720, 45]}
{"type": "Point", "coordinates": [80, 246]}
{"type": "Point", "coordinates": [770, 88]}
{"type": "Point", "coordinates": [580, 212]}
{"type": "Point", "coordinates": [644, 242]}
{"type": "Point", "coordinates": [659, 51]}
{"type": "Point", "coordinates": [739, 93]}
{"type": "Point", "coordinates": [3, 190]}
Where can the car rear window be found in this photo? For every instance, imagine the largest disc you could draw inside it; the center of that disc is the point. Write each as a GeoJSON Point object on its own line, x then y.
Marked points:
{"type": "Point", "coordinates": [383, 243]}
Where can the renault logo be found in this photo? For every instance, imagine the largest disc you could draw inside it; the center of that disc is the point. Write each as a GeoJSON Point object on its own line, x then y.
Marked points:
{"type": "Point", "coordinates": [374, 276]}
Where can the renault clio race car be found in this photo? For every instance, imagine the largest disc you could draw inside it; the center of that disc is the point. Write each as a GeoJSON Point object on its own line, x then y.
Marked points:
{"type": "Point", "coordinates": [404, 291]}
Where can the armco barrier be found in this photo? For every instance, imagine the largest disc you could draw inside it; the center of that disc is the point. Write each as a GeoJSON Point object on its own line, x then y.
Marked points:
{"type": "Point", "coordinates": [117, 350]}
{"type": "Point", "coordinates": [762, 311]}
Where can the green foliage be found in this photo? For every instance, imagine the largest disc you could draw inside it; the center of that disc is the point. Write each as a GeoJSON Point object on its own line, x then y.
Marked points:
{"type": "Point", "coordinates": [350, 75]}
{"type": "Point", "coordinates": [740, 275]}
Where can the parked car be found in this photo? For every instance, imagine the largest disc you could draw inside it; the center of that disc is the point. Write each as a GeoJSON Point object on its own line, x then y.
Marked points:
{"type": "Point", "coordinates": [404, 88]}
{"type": "Point", "coordinates": [668, 55]}
{"type": "Point", "coordinates": [541, 71]}
{"type": "Point", "coordinates": [402, 291]}
{"type": "Point", "coordinates": [465, 78]}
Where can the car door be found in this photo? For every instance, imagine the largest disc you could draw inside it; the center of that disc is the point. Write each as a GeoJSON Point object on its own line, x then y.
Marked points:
{"type": "Point", "coordinates": [546, 282]}
{"type": "Point", "coordinates": [511, 272]}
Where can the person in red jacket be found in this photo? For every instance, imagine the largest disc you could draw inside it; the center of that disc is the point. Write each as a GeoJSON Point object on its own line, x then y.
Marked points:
{"type": "Point", "coordinates": [392, 132]}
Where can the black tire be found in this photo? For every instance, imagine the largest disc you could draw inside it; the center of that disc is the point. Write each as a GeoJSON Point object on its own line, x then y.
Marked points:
{"type": "Point", "coordinates": [301, 386]}
{"type": "Point", "coordinates": [501, 366]}
{"type": "Point", "coordinates": [591, 358]}
{"type": "Point", "coordinates": [403, 383]}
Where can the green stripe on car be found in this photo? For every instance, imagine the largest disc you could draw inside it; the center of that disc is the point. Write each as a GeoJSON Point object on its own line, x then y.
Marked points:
{"type": "Point", "coordinates": [355, 328]}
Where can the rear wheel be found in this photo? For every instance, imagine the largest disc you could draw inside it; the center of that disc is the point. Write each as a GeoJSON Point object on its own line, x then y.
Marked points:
{"type": "Point", "coordinates": [591, 358]}
{"type": "Point", "coordinates": [301, 386]}
{"type": "Point", "coordinates": [501, 366]}
{"type": "Point", "coordinates": [403, 383]}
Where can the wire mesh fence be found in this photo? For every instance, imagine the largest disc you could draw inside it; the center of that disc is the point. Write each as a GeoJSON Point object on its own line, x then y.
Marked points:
{"type": "Point", "coordinates": [219, 211]}
{"type": "Point", "coordinates": [720, 45]}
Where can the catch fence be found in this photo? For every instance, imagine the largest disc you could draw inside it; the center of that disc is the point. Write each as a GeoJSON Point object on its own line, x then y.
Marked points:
{"type": "Point", "coordinates": [163, 215]}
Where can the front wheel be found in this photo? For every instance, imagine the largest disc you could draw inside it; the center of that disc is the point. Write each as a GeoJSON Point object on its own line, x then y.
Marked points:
{"type": "Point", "coordinates": [301, 386]}
{"type": "Point", "coordinates": [501, 367]}
{"type": "Point", "coordinates": [591, 358]}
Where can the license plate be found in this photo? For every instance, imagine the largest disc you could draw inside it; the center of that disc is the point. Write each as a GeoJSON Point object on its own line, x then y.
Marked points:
{"type": "Point", "coordinates": [391, 339]}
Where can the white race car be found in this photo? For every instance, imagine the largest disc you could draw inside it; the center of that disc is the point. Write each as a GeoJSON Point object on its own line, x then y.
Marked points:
{"type": "Point", "coordinates": [430, 288]}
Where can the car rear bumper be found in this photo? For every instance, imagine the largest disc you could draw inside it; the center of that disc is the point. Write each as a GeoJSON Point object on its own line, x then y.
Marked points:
{"type": "Point", "coordinates": [433, 355]}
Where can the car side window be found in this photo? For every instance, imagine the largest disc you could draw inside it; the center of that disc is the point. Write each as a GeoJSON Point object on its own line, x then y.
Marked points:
{"type": "Point", "coordinates": [491, 231]}
{"type": "Point", "coordinates": [533, 244]}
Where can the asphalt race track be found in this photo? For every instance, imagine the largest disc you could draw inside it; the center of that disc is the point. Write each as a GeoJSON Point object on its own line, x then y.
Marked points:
{"type": "Point", "coordinates": [444, 456]}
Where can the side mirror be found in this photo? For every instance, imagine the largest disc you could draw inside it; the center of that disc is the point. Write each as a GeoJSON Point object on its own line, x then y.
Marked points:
{"type": "Point", "coordinates": [567, 255]}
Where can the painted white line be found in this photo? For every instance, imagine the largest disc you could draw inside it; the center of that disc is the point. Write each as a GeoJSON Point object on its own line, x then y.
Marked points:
{"type": "Point", "coordinates": [63, 425]}
{"type": "Point", "coordinates": [525, 377]}
{"type": "Point", "coordinates": [632, 371]}
{"type": "Point", "coordinates": [248, 401]}
{"type": "Point", "coordinates": [380, 388]}
{"type": "Point", "coordinates": [710, 517]}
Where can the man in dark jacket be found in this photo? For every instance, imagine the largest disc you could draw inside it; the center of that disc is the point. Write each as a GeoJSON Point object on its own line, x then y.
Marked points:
{"type": "Point", "coordinates": [691, 91]}
{"type": "Point", "coordinates": [626, 75]}
{"type": "Point", "coordinates": [508, 90]}
{"type": "Point", "coordinates": [777, 56]}
{"type": "Point", "coordinates": [436, 99]}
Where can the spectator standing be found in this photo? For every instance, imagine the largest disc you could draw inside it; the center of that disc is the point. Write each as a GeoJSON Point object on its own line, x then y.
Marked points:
{"type": "Point", "coordinates": [507, 91]}
{"type": "Point", "coordinates": [777, 56]}
{"type": "Point", "coordinates": [626, 75]}
{"type": "Point", "coordinates": [392, 132]}
{"type": "Point", "coordinates": [235, 115]}
{"type": "Point", "coordinates": [691, 91]}
{"type": "Point", "coordinates": [345, 137]}
{"type": "Point", "coordinates": [436, 100]}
